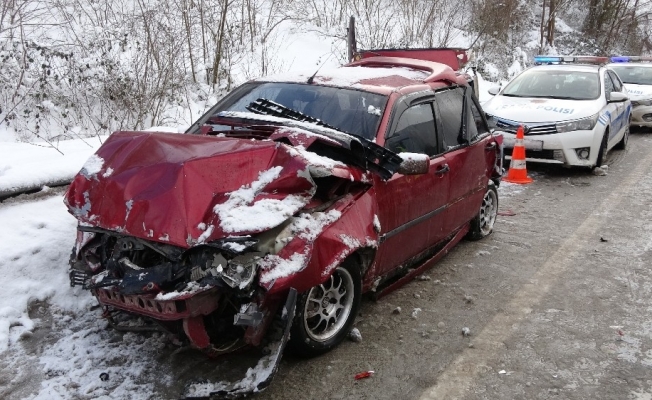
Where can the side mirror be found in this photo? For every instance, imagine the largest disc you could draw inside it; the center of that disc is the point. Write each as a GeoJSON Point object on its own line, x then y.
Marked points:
{"type": "Point", "coordinates": [494, 90]}
{"type": "Point", "coordinates": [617, 97]}
{"type": "Point", "coordinates": [414, 164]}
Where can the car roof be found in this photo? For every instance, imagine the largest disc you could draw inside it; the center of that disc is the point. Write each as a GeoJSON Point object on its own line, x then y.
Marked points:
{"type": "Point", "coordinates": [382, 75]}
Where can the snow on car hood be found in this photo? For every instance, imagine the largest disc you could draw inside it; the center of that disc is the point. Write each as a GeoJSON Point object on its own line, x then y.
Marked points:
{"type": "Point", "coordinates": [639, 92]}
{"type": "Point", "coordinates": [189, 189]}
{"type": "Point", "coordinates": [534, 110]}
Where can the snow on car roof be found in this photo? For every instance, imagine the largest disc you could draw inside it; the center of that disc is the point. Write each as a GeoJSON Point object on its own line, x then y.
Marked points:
{"type": "Point", "coordinates": [356, 77]}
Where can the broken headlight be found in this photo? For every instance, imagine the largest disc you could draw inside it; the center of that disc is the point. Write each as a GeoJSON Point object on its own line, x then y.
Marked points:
{"type": "Point", "coordinates": [213, 267]}
{"type": "Point", "coordinates": [241, 270]}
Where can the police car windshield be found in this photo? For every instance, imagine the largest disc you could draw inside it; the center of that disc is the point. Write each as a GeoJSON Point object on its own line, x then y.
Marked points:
{"type": "Point", "coordinates": [572, 85]}
{"type": "Point", "coordinates": [634, 74]}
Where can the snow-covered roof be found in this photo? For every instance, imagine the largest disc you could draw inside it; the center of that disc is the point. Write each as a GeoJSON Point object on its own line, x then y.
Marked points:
{"type": "Point", "coordinates": [354, 76]}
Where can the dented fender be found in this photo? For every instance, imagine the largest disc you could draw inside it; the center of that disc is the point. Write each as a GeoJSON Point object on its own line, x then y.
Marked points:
{"type": "Point", "coordinates": [352, 231]}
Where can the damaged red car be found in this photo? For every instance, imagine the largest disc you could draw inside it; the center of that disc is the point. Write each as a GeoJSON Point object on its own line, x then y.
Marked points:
{"type": "Point", "coordinates": [287, 201]}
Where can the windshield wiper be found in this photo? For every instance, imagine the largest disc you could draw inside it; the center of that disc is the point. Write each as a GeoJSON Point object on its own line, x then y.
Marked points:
{"type": "Point", "coordinates": [512, 95]}
{"type": "Point", "coordinates": [268, 107]}
{"type": "Point", "coordinates": [565, 98]}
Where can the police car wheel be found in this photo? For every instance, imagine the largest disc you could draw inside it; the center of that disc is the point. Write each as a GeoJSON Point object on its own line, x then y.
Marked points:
{"type": "Point", "coordinates": [603, 150]}
{"type": "Point", "coordinates": [622, 145]}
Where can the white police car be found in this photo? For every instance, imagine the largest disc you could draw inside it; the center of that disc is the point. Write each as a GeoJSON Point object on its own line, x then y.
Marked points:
{"type": "Point", "coordinates": [574, 110]}
{"type": "Point", "coordinates": [636, 74]}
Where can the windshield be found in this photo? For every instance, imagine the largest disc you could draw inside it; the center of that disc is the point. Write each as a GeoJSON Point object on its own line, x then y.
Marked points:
{"type": "Point", "coordinates": [634, 74]}
{"type": "Point", "coordinates": [572, 85]}
{"type": "Point", "coordinates": [348, 110]}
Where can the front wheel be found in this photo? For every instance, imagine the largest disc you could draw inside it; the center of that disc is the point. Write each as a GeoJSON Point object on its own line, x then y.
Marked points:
{"type": "Point", "coordinates": [483, 223]}
{"type": "Point", "coordinates": [326, 312]}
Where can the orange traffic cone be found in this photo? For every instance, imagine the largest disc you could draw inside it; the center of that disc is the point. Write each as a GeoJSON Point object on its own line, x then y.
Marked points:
{"type": "Point", "coordinates": [517, 171]}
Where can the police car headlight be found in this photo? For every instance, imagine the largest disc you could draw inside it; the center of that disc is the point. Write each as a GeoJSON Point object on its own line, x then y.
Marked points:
{"type": "Point", "coordinates": [647, 102]}
{"type": "Point", "coordinates": [584, 124]}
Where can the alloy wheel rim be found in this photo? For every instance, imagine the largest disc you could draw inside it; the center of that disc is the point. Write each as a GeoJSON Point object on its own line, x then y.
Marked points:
{"type": "Point", "coordinates": [328, 306]}
{"type": "Point", "coordinates": [488, 212]}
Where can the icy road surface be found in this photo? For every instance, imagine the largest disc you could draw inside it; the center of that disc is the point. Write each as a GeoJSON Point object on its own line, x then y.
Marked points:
{"type": "Point", "coordinates": [558, 303]}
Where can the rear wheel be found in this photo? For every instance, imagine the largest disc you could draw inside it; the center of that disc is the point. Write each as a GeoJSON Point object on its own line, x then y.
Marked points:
{"type": "Point", "coordinates": [326, 313]}
{"type": "Point", "coordinates": [483, 223]}
{"type": "Point", "coordinates": [622, 145]}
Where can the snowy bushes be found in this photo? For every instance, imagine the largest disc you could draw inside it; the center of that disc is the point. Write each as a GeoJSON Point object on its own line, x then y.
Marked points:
{"type": "Point", "coordinates": [78, 67]}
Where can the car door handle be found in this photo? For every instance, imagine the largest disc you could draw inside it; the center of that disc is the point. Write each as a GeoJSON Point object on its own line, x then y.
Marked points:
{"type": "Point", "coordinates": [441, 171]}
{"type": "Point", "coordinates": [490, 146]}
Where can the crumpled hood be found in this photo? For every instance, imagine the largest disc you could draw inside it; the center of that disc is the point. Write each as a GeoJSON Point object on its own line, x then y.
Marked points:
{"type": "Point", "coordinates": [187, 189]}
{"type": "Point", "coordinates": [639, 92]}
{"type": "Point", "coordinates": [534, 110]}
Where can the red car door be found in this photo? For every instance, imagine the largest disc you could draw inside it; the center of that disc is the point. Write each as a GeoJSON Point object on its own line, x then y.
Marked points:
{"type": "Point", "coordinates": [410, 207]}
{"type": "Point", "coordinates": [470, 154]}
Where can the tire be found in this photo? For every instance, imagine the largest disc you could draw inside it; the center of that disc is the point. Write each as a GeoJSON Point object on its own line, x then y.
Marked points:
{"type": "Point", "coordinates": [622, 145]}
{"type": "Point", "coordinates": [603, 150]}
{"type": "Point", "coordinates": [483, 223]}
{"type": "Point", "coordinates": [313, 334]}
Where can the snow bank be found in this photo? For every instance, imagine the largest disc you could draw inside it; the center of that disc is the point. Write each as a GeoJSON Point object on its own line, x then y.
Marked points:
{"type": "Point", "coordinates": [37, 238]}
{"type": "Point", "coordinates": [31, 166]}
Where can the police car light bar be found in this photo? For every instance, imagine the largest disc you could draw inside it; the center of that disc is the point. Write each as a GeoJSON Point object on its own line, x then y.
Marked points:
{"type": "Point", "coordinates": [570, 60]}
{"type": "Point", "coordinates": [624, 59]}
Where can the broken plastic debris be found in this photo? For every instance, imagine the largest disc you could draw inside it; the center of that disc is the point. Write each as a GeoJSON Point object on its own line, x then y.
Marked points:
{"type": "Point", "coordinates": [363, 375]}
{"type": "Point", "coordinates": [506, 213]}
{"type": "Point", "coordinates": [503, 372]}
{"type": "Point", "coordinates": [355, 335]}
{"type": "Point", "coordinates": [599, 171]}
{"type": "Point", "coordinates": [466, 331]}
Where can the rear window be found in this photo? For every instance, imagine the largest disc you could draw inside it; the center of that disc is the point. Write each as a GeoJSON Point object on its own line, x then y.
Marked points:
{"type": "Point", "coordinates": [573, 85]}
{"type": "Point", "coordinates": [352, 111]}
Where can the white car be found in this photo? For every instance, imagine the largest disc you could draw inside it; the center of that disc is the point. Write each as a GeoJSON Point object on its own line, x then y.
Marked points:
{"type": "Point", "coordinates": [573, 109]}
{"type": "Point", "coordinates": [636, 74]}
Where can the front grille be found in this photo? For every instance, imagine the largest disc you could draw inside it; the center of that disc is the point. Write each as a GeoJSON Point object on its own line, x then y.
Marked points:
{"type": "Point", "coordinates": [543, 129]}
{"type": "Point", "coordinates": [531, 129]}
{"type": "Point", "coordinates": [184, 306]}
{"type": "Point", "coordinates": [540, 154]}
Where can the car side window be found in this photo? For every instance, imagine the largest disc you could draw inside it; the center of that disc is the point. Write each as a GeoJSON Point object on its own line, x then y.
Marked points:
{"type": "Point", "coordinates": [415, 131]}
{"type": "Point", "coordinates": [616, 81]}
{"type": "Point", "coordinates": [476, 124]}
{"type": "Point", "coordinates": [450, 105]}
{"type": "Point", "coordinates": [608, 85]}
